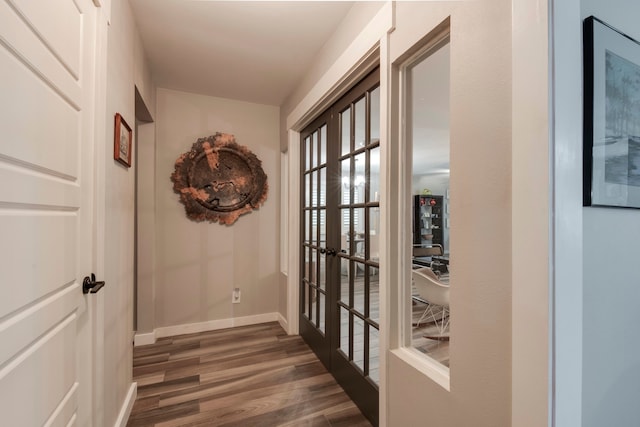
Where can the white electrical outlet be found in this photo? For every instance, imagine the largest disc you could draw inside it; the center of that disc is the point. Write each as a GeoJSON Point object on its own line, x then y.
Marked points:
{"type": "Point", "coordinates": [235, 297]}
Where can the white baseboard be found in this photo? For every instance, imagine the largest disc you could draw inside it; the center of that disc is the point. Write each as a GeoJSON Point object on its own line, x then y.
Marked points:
{"type": "Point", "coordinates": [127, 405]}
{"type": "Point", "coordinates": [283, 322]}
{"type": "Point", "coordinates": [144, 339]}
{"type": "Point", "coordinates": [212, 325]}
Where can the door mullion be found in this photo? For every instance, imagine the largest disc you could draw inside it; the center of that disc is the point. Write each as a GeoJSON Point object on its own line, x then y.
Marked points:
{"type": "Point", "coordinates": [352, 232]}
{"type": "Point", "coordinates": [367, 231]}
{"type": "Point", "coordinates": [333, 187]}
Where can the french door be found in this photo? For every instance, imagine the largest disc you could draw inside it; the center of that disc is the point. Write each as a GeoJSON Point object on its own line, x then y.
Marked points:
{"type": "Point", "coordinates": [339, 306]}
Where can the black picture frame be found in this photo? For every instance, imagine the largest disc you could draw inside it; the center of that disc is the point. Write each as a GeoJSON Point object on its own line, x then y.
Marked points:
{"type": "Point", "coordinates": [611, 157]}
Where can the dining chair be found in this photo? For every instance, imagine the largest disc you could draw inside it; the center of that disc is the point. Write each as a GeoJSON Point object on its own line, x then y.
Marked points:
{"type": "Point", "coordinates": [436, 295]}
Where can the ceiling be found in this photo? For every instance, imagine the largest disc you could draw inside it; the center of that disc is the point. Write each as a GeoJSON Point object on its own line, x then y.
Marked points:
{"type": "Point", "coordinates": [254, 51]}
{"type": "Point", "coordinates": [259, 51]}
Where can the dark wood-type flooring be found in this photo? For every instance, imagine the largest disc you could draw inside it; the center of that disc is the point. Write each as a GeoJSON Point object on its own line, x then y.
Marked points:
{"type": "Point", "coordinates": [247, 376]}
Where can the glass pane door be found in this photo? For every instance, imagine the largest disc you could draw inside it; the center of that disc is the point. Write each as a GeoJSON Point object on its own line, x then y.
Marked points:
{"type": "Point", "coordinates": [339, 315]}
{"type": "Point", "coordinates": [355, 357]}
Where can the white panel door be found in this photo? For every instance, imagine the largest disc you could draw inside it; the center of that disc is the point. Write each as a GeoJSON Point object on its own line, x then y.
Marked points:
{"type": "Point", "coordinates": [47, 133]}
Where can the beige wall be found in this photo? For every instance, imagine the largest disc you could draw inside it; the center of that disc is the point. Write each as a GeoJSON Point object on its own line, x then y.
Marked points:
{"type": "Point", "coordinates": [142, 75]}
{"type": "Point", "coordinates": [146, 228]}
{"type": "Point", "coordinates": [146, 199]}
{"type": "Point", "coordinates": [126, 68]}
{"type": "Point", "coordinates": [198, 264]}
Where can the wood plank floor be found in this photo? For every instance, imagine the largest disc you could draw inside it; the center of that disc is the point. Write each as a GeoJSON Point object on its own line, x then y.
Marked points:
{"type": "Point", "coordinates": [247, 376]}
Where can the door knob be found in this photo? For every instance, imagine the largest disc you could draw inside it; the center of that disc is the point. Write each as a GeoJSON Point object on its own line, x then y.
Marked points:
{"type": "Point", "coordinates": [331, 251]}
{"type": "Point", "coordinates": [89, 284]}
{"type": "Point", "coordinates": [323, 250]}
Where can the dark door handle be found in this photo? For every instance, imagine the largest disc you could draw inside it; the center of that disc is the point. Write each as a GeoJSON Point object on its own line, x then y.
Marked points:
{"type": "Point", "coordinates": [323, 250]}
{"type": "Point", "coordinates": [331, 251]}
{"type": "Point", "coordinates": [89, 284]}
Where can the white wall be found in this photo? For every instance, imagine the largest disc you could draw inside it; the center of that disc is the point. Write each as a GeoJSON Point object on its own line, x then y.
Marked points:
{"type": "Point", "coordinates": [566, 130]}
{"type": "Point", "coordinates": [438, 183]}
{"type": "Point", "coordinates": [126, 68]}
{"type": "Point", "coordinates": [199, 263]}
{"type": "Point", "coordinates": [611, 365]}
{"type": "Point", "coordinates": [480, 347]}
{"type": "Point", "coordinates": [530, 201]}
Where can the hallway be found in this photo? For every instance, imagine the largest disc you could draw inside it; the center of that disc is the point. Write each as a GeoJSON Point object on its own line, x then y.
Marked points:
{"type": "Point", "coordinates": [247, 376]}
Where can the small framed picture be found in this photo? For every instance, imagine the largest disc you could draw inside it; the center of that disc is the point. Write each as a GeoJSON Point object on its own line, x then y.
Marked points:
{"type": "Point", "coordinates": [611, 117]}
{"type": "Point", "coordinates": [122, 141]}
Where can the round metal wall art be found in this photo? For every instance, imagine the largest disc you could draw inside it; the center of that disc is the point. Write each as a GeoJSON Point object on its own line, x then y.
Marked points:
{"type": "Point", "coordinates": [218, 180]}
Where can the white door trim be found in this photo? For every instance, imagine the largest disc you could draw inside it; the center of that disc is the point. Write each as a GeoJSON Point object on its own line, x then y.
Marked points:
{"type": "Point", "coordinates": [566, 255]}
{"type": "Point", "coordinates": [293, 276]}
{"type": "Point", "coordinates": [100, 162]}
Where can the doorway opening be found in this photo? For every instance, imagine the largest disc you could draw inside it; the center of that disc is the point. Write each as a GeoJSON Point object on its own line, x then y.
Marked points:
{"type": "Point", "coordinates": [144, 159]}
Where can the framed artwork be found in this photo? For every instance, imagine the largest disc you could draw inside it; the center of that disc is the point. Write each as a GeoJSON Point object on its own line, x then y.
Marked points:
{"type": "Point", "coordinates": [611, 175]}
{"type": "Point", "coordinates": [218, 180]}
{"type": "Point", "coordinates": [122, 141]}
